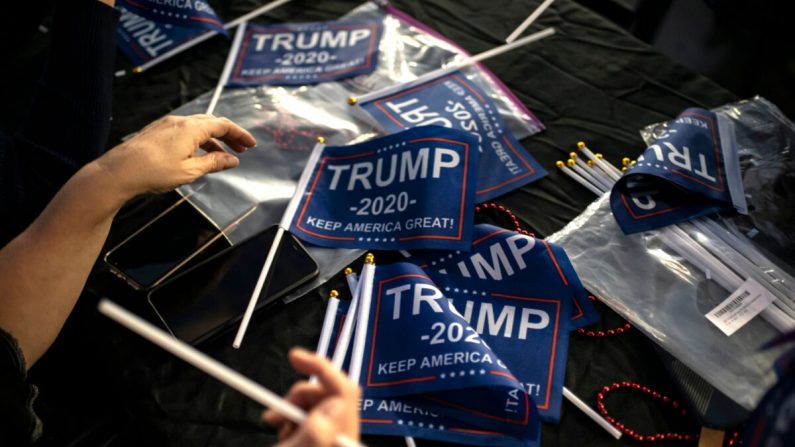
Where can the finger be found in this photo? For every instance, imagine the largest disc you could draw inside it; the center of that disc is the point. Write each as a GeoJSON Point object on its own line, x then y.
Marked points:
{"type": "Point", "coordinates": [236, 137]}
{"type": "Point", "coordinates": [304, 395]}
{"type": "Point", "coordinates": [318, 430]}
{"type": "Point", "coordinates": [211, 162]}
{"type": "Point", "coordinates": [212, 145]}
{"type": "Point", "coordinates": [328, 375]}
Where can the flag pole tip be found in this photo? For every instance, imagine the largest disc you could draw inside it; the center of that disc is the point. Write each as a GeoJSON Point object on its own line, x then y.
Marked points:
{"type": "Point", "coordinates": [352, 100]}
{"type": "Point", "coordinates": [333, 294]}
{"type": "Point", "coordinates": [560, 164]}
{"type": "Point", "coordinates": [623, 169]}
{"type": "Point", "coordinates": [348, 270]}
{"type": "Point", "coordinates": [570, 162]}
{"type": "Point", "coordinates": [599, 155]}
{"type": "Point", "coordinates": [625, 161]}
{"type": "Point", "coordinates": [321, 140]}
{"type": "Point", "coordinates": [581, 145]}
{"type": "Point", "coordinates": [137, 70]}
{"type": "Point", "coordinates": [369, 259]}
{"type": "Point", "coordinates": [573, 155]}
{"type": "Point", "coordinates": [590, 163]}
{"type": "Point", "coordinates": [632, 163]}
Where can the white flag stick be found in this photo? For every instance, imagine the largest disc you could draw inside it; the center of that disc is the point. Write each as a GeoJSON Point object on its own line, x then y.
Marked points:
{"type": "Point", "coordinates": [572, 163]}
{"type": "Point", "coordinates": [328, 324]}
{"type": "Point", "coordinates": [202, 37]}
{"type": "Point", "coordinates": [576, 177]}
{"type": "Point", "coordinates": [214, 368]}
{"type": "Point", "coordinates": [363, 316]}
{"type": "Point", "coordinates": [592, 174]}
{"type": "Point", "coordinates": [454, 65]}
{"type": "Point", "coordinates": [529, 21]}
{"type": "Point", "coordinates": [596, 417]}
{"type": "Point", "coordinates": [609, 169]}
{"type": "Point", "coordinates": [327, 329]}
{"type": "Point", "coordinates": [287, 218]}
{"type": "Point", "coordinates": [344, 341]}
{"type": "Point", "coordinates": [230, 61]}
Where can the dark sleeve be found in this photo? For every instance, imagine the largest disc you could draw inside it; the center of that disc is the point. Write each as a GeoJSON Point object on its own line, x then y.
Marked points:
{"type": "Point", "coordinates": [68, 122]}
{"type": "Point", "coordinates": [19, 425]}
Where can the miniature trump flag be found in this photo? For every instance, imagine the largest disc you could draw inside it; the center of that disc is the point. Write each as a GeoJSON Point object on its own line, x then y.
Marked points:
{"type": "Point", "coordinates": [142, 40]}
{"type": "Point", "coordinates": [413, 189]}
{"type": "Point", "coordinates": [306, 53]}
{"type": "Point", "coordinates": [182, 13]}
{"type": "Point", "coordinates": [422, 350]}
{"type": "Point", "coordinates": [522, 296]}
{"type": "Point", "coordinates": [456, 102]}
{"type": "Point", "coordinates": [691, 170]}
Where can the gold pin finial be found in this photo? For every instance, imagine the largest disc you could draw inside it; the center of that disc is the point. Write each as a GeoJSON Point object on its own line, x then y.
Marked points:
{"type": "Point", "coordinates": [321, 140]}
{"type": "Point", "coordinates": [137, 70]}
{"type": "Point", "coordinates": [570, 163]}
{"type": "Point", "coordinates": [333, 294]}
{"type": "Point", "coordinates": [573, 155]}
{"type": "Point", "coordinates": [348, 270]}
{"type": "Point", "coordinates": [581, 145]}
{"type": "Point", "coordinates": [369, 258]}
{"type": "Point", "coordinates": [590, 163]}
{"type": "Point", "coordinates": [599, 156]}
{"type": "Point", "coordinates": [625, 161]}
{"type": "Point", "coordinates": [560, 164]}
{"type": "Point", "coordinates": [352, 100]}
{"type": "Point", "coordinates": [632, 163]}
{"type": "Point", "coordinates": [623, 169]}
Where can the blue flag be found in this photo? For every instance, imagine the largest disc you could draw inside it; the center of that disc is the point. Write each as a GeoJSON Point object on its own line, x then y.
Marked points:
{"type": "Point", "coordinates": [410, 417]}
{"type": "Point", "coordinates": [195, 14]}
{"type": "Point", "coordinates": [306, 53]}
{"type": "Point", "coordinates": [691, 170]}
{"type": "Point", "coordinates": [142, 39]}
{"type": "Point", "coordinates": [408, 190]}
{"type": "Point", "coordinates": [439, 360]}
{"type": "Point", "coordinates": [455, 102]}
{"type": "Point", "coordinates": [523, 297]}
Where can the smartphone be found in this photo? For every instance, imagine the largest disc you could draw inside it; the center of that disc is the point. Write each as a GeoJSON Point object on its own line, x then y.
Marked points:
{"type": "Point", "coordinates": [176, 239]}
{"type": "Point", "coordinates": [202, 301]}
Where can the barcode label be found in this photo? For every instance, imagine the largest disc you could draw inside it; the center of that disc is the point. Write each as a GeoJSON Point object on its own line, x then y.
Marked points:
{"type": "Point", "coordinates": [740, 307]}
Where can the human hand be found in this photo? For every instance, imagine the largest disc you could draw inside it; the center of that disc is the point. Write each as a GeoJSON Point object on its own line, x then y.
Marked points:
{"type": "Point", "coordinates": [331, 403]}
{"type": "Point", "coordinates": [162, 156]}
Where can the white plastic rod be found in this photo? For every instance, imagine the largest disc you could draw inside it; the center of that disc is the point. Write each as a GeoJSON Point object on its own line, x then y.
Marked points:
{"type": "Point", "coordinates": [230, 61]}
{"type": "Point", "coordinates": [529, 21]}
{"type": "Point", "coordinates": [328, 326]}
{"type": "Point", "coordinates": [202, 37]}
{"type": "Point", "coordinates": [214, 368]}
{"type": "Point", "coordinates": [455, 65]}
{"type": "Point", "coordinates": [603, 180]}
{"type": "Point", "coordinates": [596, 417]}
{"type": "Point", "coordinates": [263, 276]}
{"type": "Point", "coordinates": [576, 177]}
{"type": "Point", "coordinates": [589, 177]}
{"type": "Point", "coordinates": [344, 340]}
{"type": "Point", "coordinates": [609, 169]}
{"type": "Point", "coordinates": [363, 317]}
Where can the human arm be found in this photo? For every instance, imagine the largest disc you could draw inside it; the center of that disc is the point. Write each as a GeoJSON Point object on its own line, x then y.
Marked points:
{"type": "Point", "coordinates": [44, 269]}
{"type": "Point", "coordinates": [332, 404]}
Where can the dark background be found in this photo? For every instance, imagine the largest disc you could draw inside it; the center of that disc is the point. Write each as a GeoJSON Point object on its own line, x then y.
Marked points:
{"type": "Point", "coordinates": [609, 71]}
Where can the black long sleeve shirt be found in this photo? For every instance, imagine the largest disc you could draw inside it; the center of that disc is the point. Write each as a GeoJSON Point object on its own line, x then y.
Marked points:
{"type": "Point", "coordinates": [66, 126]}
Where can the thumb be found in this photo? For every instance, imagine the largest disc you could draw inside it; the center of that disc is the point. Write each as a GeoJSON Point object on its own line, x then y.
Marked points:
{"type": "Point", "coordinates": [213, 162]}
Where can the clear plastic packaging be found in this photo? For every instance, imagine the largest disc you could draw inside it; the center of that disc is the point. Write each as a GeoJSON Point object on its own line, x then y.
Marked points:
{"type": "Point", "coordinates": [645, 278]}
{"type": "Point", "coordinates": [287, 121]}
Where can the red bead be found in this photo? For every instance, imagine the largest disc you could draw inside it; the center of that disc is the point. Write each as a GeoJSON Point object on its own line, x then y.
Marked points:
{"type": "Point", "coordinates": [611, 332]}
{"type": "Point", "coordinates": [600, 396]}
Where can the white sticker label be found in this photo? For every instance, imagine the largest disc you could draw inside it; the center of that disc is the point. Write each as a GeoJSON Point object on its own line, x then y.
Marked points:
{"type": "Point", "coordinates": [740, 307]}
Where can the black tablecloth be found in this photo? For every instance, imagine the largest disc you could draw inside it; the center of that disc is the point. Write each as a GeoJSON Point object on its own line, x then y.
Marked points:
{"type": "Point", "coordinates": [591, 81]}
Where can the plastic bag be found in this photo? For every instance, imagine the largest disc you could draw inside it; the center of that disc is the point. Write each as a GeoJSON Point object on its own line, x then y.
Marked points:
{"type": "Point", "coordinates": [643, 277]}
{"type": "Point", "coordinates": [287, 121]}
